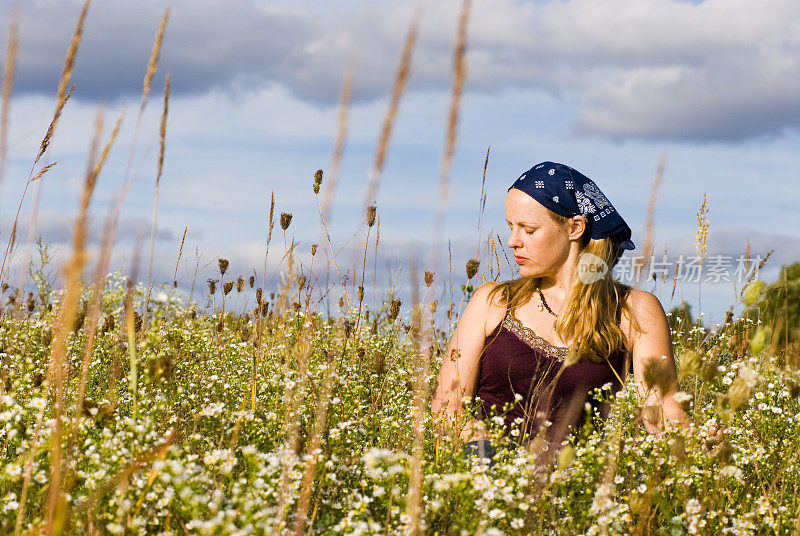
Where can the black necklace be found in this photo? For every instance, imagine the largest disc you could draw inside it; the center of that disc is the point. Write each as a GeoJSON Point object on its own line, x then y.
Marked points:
{"type": "Point", "coordinates": [544, 305]}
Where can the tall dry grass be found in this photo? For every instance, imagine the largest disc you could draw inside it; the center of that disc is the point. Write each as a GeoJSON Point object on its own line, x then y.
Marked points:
{"type": "Point", "coordinates": [9, 68]}
{"type": "Point", "coordinates": [161, 145]}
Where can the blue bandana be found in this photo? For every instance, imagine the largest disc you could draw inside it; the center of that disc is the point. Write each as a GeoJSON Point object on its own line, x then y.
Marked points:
{"type": "Point", "coordinates": [568, 192]}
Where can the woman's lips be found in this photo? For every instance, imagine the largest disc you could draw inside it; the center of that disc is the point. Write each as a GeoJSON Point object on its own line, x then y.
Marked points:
{"type": "Point", "coordinates": [520, 260]}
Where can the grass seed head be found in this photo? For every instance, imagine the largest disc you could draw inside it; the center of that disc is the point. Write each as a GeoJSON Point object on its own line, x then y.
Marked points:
{"type": "Point", "coordinates": [313, 249]}
{"type": "Point", "coordinates": [252, 281]}
{"type": "Point", "coordinates": [227, 287]}
{"type": "Point", "coordinates": [47, 336]}
{"type": "Point", "coordinates": [472, 268]}
{"type": "Point", "coordinates": [690, 362]}
{"type": "Point", "coordinates": [394, 309]}
{"type": "Point", "coordinates": [794, 387]}
{"type": "Point", "coordinates": [428, 278]}
{"type": "Point", "coordinates": [565, 457]}
{"type": "Point", "coordinates": [301, 282]}
{"type": "Point", "coordinates": [286, 220]}
{"type": "Point", "coordinates": [31, 304]}
{"type": "Point", "coordinates": [760, 340]}
{"type": "Point", "coordinates": [223, 266]}
{"type": "Point", "coordinates": [432, 307]}
{"type": "Point", "coordinates": [240, 284]}
{"type": "Point", "coordinates": [317, 180]}
{"type": "Point", "coordinates": [658, 374]}
{"type": "Point", "coordinates": [739, 393]}
{"type": "Point", "coordinates": [371, 215]}
{"type": "Point", "coordinates": [212, 286]}
{"type": "Point", "coordinates": [108, 324]}
{"type": "Point", "coordinates": [379, 363]}
{"type": "Point", "coordinates": [360, 293]}
{"type": "Point", "coordinates": [259, 295]}
{"type": "Point", "coordinates": [753, 292]}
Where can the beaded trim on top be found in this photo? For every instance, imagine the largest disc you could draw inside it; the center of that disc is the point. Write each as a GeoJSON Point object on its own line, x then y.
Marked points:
{"type": "Point", "coordinates": [532, 339]}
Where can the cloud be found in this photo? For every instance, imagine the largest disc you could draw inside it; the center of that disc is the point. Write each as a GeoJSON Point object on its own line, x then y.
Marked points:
{"type": "Point", "coordinates": [55, 228]}
{"type": "Point", "coordinates": [654, 69]}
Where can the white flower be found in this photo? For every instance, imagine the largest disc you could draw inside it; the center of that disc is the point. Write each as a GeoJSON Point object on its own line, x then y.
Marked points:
{"type": "Point", "coordinates": [749, 376]}
{"type": "Point", "coordinates": [693, 507]}
{"type": "Point", "coordinates": [732, 471]}
{"type": "Point", "coordinates": [681, 396]}
{"type": "Point", "coordinates": [37, 403]}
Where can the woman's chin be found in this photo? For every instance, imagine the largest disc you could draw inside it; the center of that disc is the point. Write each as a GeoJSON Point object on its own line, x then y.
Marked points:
{"type": "Point", "coordinates": [524, 271]}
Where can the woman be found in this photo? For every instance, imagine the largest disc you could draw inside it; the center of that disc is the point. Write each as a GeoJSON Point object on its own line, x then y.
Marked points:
{"type": "Point", "coordinates": [542, 342]}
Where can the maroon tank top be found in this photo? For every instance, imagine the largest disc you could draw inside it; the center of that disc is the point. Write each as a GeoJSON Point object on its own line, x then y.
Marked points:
{"type": "Point", "coordinates": [517, 361]}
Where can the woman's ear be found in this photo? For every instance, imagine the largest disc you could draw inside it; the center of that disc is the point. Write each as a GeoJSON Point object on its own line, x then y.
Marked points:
{"type": "Point", "coordinates": [577, 225]}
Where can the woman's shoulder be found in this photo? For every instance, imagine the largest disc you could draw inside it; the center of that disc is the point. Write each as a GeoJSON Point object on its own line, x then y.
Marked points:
{"type": "Point", "coordinates": [486, 306]}
{"type": "Point", "coordinates": [641, 308]}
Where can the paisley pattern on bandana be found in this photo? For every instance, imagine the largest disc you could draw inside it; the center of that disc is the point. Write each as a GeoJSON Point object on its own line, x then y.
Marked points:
{"type": "Point", "coordinates": [596, 195]}
{"type": "Point", "coordinates": [584, 203]}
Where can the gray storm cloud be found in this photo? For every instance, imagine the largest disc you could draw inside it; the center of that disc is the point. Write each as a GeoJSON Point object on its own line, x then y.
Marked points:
{"type": "Point", "coordinates": [721, 70]}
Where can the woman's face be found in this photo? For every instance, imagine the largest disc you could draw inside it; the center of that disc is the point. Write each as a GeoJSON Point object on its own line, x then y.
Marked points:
{"type": "Point", "coordinates": [541, 246]}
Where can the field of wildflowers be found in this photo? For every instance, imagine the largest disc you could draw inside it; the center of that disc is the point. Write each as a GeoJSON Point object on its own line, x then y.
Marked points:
{"type": "Point", "coordinates": [237, 423]}
{"type": "Point", "coordinates": [126, 410]}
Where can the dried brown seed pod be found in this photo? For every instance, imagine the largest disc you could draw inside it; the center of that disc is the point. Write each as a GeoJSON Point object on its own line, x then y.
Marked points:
{"type": "Point", "coordinates": [317, 180]}
{"type": "Point", "coordinates": [394, 309]}
{"type": "Point", "coordinates": [240, 284]}
{"type": "Point", "coordinates": [252, 281]}
{"type": "Point", "coordinates": [301, 282]}
{"type": "Point", "coordinates": [360, 293]}
{"type": "Point", "coordinates": [313, 249]}
{"type": "Point", "coordinates": [223, 266]}
{"type": "Point", "coordinates": [258, 295]}
{"type": "Point", "coordinates": [371, 210]}
{"type": "Point", "coordinates": [286, 220]}
{"type": "Point", "coordinates": [433, 305]}
{"type": "Point", "coordinates": [658, 374]}
{"type": "Point", "coordinates": [379, 363]}
{"type": "Point", "coordinates": [472, 268]}
{"type": "Point", "coordinates": [428, 278]}
{"type": "Point", "coordinates": [227, 287]}
{"type": "Point", "coordinates": [212, 286]}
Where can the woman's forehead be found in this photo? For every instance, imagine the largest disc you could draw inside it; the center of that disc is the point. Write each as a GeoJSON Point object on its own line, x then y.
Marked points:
{"type": "Point", "coordinates": [521, 206]}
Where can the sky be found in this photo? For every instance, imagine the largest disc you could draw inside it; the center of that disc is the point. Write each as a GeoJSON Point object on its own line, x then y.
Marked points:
{"type": "Point", "coordinates": [605, 87]}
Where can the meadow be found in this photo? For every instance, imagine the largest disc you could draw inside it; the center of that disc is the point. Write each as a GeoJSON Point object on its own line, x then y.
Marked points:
{"type": "Point", "coordinates": [127, 409]}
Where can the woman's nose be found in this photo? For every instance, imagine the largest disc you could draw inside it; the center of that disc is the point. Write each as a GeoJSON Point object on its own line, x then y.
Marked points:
{"type": "Point", "coordinates": [513, 240]}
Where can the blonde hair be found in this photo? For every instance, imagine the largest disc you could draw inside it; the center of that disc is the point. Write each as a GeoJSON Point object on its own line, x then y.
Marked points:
{"type": "Point", "coordinates": [591, 312]}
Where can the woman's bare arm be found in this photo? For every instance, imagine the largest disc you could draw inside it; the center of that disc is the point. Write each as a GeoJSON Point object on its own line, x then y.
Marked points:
{"type": "Point", "coordinates": [651, 347]}
{"type": "Point", "coordinates": [458, 375]}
